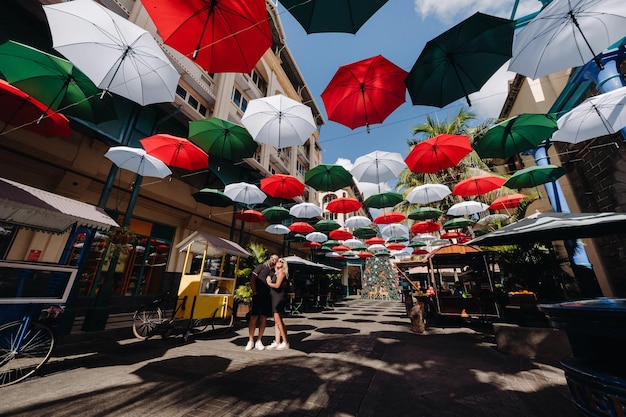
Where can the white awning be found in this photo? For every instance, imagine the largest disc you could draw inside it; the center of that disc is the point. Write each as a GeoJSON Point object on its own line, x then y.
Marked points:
{"type": "Point", "coordinates": [215, 246]}
{"type": "Point", "coordinates": [34, 208]}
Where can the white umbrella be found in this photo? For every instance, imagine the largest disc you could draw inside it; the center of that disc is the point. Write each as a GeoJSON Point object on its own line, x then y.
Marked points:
{"type": "Point", "coordinates": [138, 161]}
{"type": "Point", "coordinates": [566, 34]}
{"type": "Point", "coordinates": [352, 243]}
{"type": "Point", "coordinates": [355, 222]}
{"type": "Point", "coordinates": [318, 237]}
{"type": "Point", "coordinates": [277, 229]}
{"type": "Point", "coordinates": [279, 121]}
{"type": "Point", "coordinates": [597, 116]}
{"type": "Point", "coordinates": [465, 208]}
{"type": "Point", "coordinates": [305, 210]}
{"type": "Point", "coordinates": [245, 193]}
{"type": "Point", "coordinates": [439, 242]}
{"type": "Point", "coordinates": [114, 53]}
{"type": "Point", "coordinates": [493, 218]}
{"type": "Point", "coordinates": [378, 166]}
{"type": "Point", "coordinates": [395, 229]}
{"type": "Point", "coordinates": [425, 237]}
{"type": "Point", "coordinates": [377, 247]}
{"type": "Point", "coordinates": [427, 193]}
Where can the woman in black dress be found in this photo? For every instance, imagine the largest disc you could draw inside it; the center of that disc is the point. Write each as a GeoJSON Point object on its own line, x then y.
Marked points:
{"type": "Point", "coordinates": [278, 287]}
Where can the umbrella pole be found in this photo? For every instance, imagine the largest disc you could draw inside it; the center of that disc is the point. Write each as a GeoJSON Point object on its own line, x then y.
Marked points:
{"type": "Point", "coordinates": [133, 200]}
{"type": "Point", "coordinates": [233, 223]}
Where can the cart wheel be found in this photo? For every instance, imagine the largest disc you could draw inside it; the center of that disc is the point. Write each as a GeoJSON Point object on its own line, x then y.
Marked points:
{"type": "Point", "coordinates": [145, 321]}
{"type": "Point", "coordinates": [223, 318]}
{"type": "Point", "coordinates": [20, 358]}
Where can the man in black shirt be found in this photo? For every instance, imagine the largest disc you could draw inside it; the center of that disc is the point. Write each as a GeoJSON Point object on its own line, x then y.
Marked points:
{"type": "Point", "coordinates": [261, 301]}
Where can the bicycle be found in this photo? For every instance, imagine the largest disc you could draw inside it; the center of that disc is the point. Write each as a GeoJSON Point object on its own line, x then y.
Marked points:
{"type": "Point", "coordinates": [26, 345]}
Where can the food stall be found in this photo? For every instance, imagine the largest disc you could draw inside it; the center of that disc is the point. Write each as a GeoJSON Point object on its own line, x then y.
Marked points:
{"type": "Point", "coordinates": [209, 273]}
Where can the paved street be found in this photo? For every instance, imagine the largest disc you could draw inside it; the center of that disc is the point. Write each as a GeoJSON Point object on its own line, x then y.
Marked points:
{"type": "Point", "coordinates": [358, 359]}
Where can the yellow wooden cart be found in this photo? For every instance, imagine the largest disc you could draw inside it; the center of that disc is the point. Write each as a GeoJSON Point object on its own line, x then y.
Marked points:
{"type": "Point", "coordinates": [205, 293]}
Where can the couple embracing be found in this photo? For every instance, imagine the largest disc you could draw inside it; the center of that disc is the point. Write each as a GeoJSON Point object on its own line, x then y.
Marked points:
{"type": "Point", "coordinates": [269, 283]}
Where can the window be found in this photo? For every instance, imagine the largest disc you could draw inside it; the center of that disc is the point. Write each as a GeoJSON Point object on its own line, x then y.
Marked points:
{"type": "Point", "coordinates": [239, 99]}
{"type": "Point", "coordinates": [300, 166]}
{"type": "Point", "coordinates": [261, 84]}
{"type": "Point", "coordinates": [181, 92]}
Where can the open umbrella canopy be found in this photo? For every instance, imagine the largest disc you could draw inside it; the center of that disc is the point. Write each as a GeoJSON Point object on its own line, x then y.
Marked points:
{"type": "Point", "coordinates": [305, 210]}
{"type": "Point", "coordinates": [318, 237]}
{"type": "Point", "coordinates": [345, 16]}
{"type": "Point", "coordinates": [340, 234]}
{"type": "Point", "coordinates": [301, 227]}
{"type": "Point", "coordinates": [394, 229]}
{"type": "Point", "coordinates": [493, 219]}
{"type": "Point", "coordinates": [461, 60]}
{"type": "Point", "coordinates": [395, 246]}
{"type": "Point", "coordinates": [343, 205]}
{"type": "Point", "coordinates": [116, 54]}
{"type": "Point", "coordinates": [138, 161]}
{"type": "Point", "coordinates": [417, 244]}
{"type": "Point", "coordinates": [353, 243]}
{"type": "Point", "coordinates": [54, 81]}
{"type": "Point", "coordinates": [425, 213]}
{"type": "Point", "coordinates": [23, 111]}
{"type": "Point", "coordinates": [222, 139]}
{"type": "Point", "coordinates": [331, 242]}
{"type": "Point", "coordinates": [458, 223]}
{"type": "Point", "coordinates": [328, 177]}
{"type": "Point", "coordinates": [279, 121]}
{"type": "Point", "coordinates": [382, 200]}
{"type": "Point", "coordinates": [282, 186]}
{"type": "Point", "coordinates": [275, 214]}
{"type": "Point", "coordinates": [378, 166]}
{"type": "Point", "coordinates": [547, 227]}
{"type": "Point", "coordinates": [453, 235]}
{"type": "Point", "coordinates": [277, 229]}
{"type": "Point", "coordinates": [427, 193]}
{"type": "Point", "coordinates": [441, 152]}
{"type": "Point", "coordinates": [597, 116]}
{"type": "Point", "coordinates": [356, 222]}
{"type": "Point", "coordinates": [375, 241]}
{"type": "Point", "coordinates": [212, 197]}
{"type": "Point", "coordinates": [388, 218]}
{"type": "Point", "coordinates": [567, 34]}
{"type": "Point", "coordinates": [220, 36]}
{"type": "Point", "coordinates": [244, 193]}
{"type": "Point", "coordinates": [478, 185]}
{"type": "Point", "coordinates": [365, 92]}
{"type": "Point", "coordinates": [175, 152]}
{"type": "Point", "coordinates": [507, 201]}
{"type": "Point", "coordinates": [397, 239]}
{"type": "Point", "coordinates": [534, 175]}
{"type": "Point", "coordinates": [364, 233]}
{"type": "Point", "coordinates": [250, 216]}
{"type": "Point", "coordinates": [326, 225]}
{"type": "Point", "coordinates": [466, 208]}
{"type": "Point", "coordinates": [425, 227]}
{"type": "Point", "coordinates": [515, 135]}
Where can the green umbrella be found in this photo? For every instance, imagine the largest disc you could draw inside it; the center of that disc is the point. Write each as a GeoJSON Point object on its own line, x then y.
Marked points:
{"type": "Point", "coordinates": [222, 139]}
{"type": "Point", "coordinates": [345, 16]}
{"type": "Point", "coordinates": [275, 214]}
{"type": "Point", "coordinates": [461, 60]}
{"type": "Point", "coordinates": [212, 197]}
{"type": "Point", "coordinates": [327, 177]}
{"type": "Point", "coordinates": [331, 242]}
{"type": "Point", "coordinates": [425, 213]}
{"type": "Point", "coordinates": [359, 247]}
{"type": "Point", "coordinates": [326, 225]}
{"type": "Point", "coordinates": [515, 135]}
{"type": "Point", "coordinates": [397, 239]}
{"type": "Point", "coordinates": [295, 237]}
{"type": "Point", "coordinates": [534, 176]}
{"type": "Point", "coordinates": [458, 223]}
{"type": "Point", "coordinates": [417, 244]}
{"type": "Point", "coordinates": [364, 233]}
{"type": "Point", "coordinates": [382, 200]}
{"type": "Point", "coordinates": [55, 82]}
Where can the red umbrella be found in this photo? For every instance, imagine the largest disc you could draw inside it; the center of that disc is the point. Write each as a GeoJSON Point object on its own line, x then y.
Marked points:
{"type": "Point", "coordinates": [375, 241]}
{"type": "Point", "coordinates": [507, 201]}
{"type": "Point", "coordinates": [453, 235]}
{"type": "Point", "coordinates": [340, 234]}
{"type": "Point", "coordinates": [340, 248]}
{"type": "Point", "coordinates": [425, 227]}
{"type": "Point", "coordinates": [343, 205]}
{"type": "Point", "coordinates": [364, 92]}
{"type": "Point", "coordinates": [312, 245]}
{"type": "Point", "coordinates": [282, 186]}
{"type": "Point", "coordinates": [478, 185]}
{"type": "Point", "coordinates": [251, 216]}
{"type": "Point", "coordinates": [388, 218]}
{"type": "Point", "coordinates": [420, 251]}
{"type": "Point", "coordinates": [441, 152]}
{"type": "Point", "coordinates": [21, 110]}
{"type": "Point", "coordinates": [220, 36]}
{"type": "Point", "coordinates": [301, 227]}
{"type": "Point", "coordinates": [395, 246]}
{"type": "Point", "coordinates": [364, 255]}
{"type": "Point", "coordinates": [176, 152]}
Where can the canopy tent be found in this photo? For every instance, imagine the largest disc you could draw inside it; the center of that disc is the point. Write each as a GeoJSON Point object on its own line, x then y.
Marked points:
{"type": "Point", "coordinates": [546, 227]}
{"type": "Point", "coordinates": [215, 245]}
{"type": "Point", "coordinates": [31, 207]}
{"type": "Point", "coordinates": [302, 265]}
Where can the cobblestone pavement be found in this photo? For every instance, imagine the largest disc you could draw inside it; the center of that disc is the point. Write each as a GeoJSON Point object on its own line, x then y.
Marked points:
{"type": "Point", "coordinates": [358, 359]}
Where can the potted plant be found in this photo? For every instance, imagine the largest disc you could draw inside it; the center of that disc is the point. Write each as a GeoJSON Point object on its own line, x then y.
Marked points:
{"type": "Point", "coordinates": [243, 298]}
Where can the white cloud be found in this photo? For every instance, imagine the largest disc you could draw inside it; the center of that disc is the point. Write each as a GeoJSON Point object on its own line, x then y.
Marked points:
{"type": "Point", "coordinates": [448, 11]}
{"type": "Point", "coordinates": [487, 103]}
{"type": "Point", "coordinates": [344, 162]}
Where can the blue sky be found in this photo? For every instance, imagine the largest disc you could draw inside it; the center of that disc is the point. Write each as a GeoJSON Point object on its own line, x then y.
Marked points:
{"type": "Point", "coordinates": [398, 31]}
